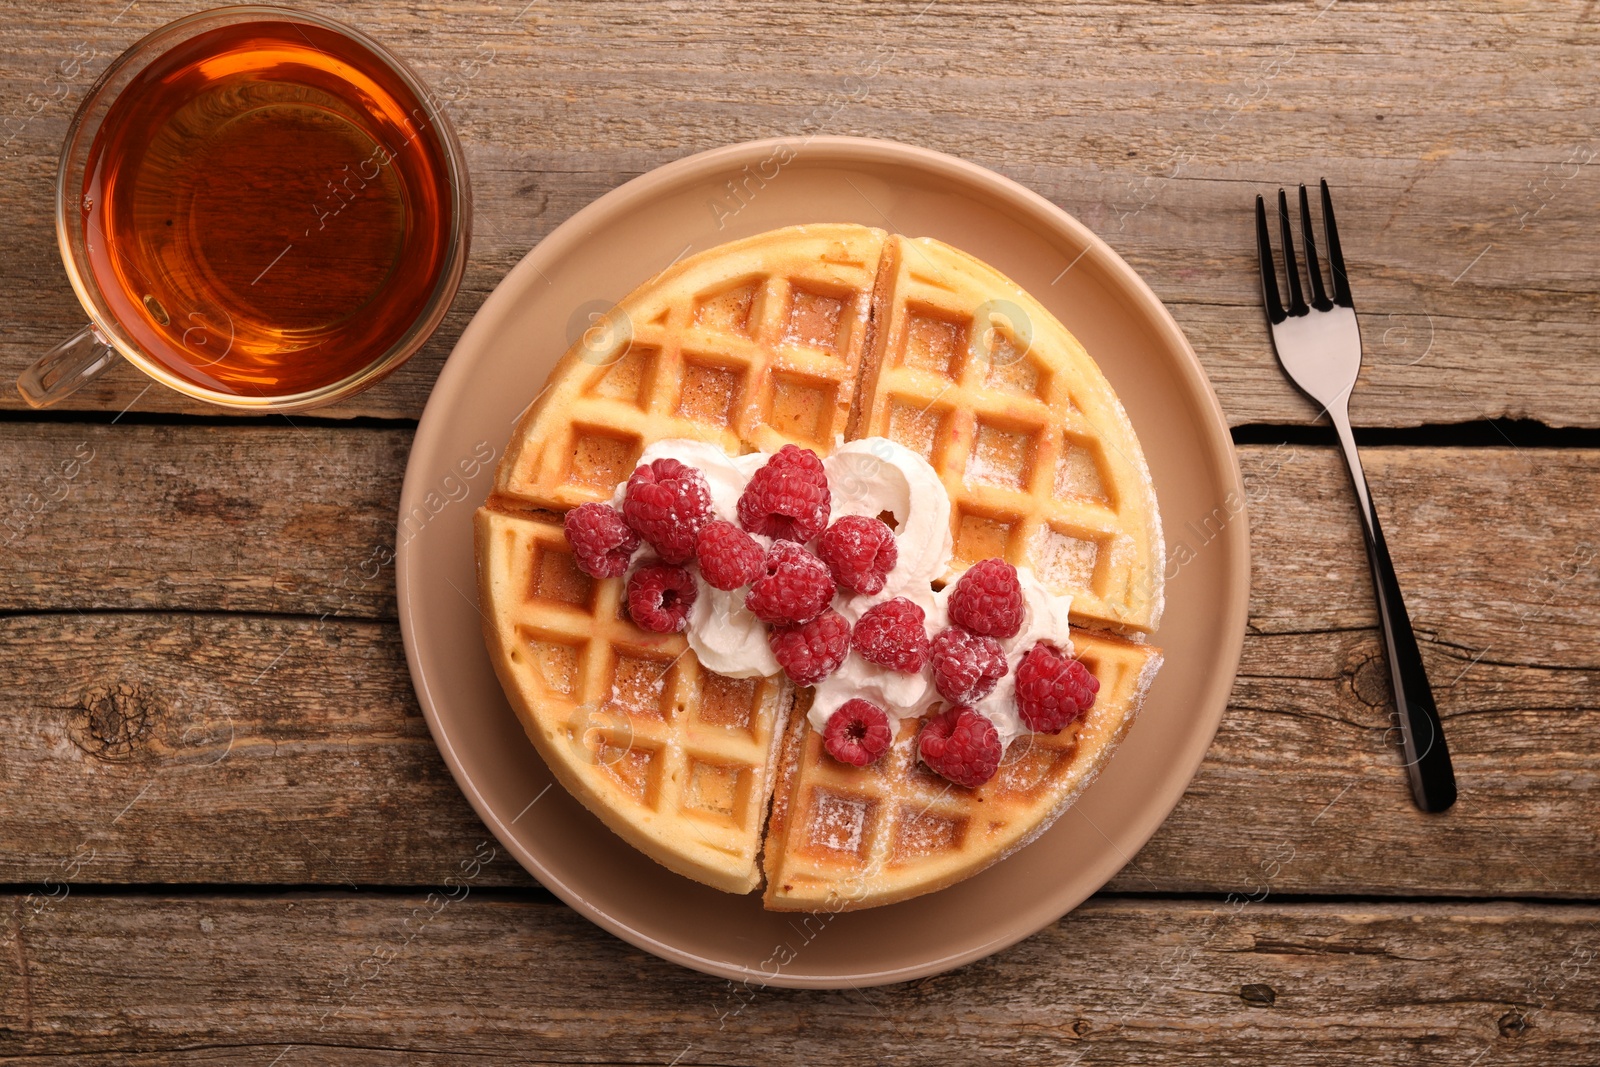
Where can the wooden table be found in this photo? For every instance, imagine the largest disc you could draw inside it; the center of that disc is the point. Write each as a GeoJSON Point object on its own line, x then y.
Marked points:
{"type": "Point", "coordinates": [220, 809]}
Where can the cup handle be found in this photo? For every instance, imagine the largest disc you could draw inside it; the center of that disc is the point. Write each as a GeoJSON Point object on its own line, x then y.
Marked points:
{"type": "Point", "coordinates": [66, 368]}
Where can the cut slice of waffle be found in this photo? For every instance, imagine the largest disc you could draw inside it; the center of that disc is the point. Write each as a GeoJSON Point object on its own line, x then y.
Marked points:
{"type": "Point", "coordinates": [754, 344]}
{"type": "Point", "coordinates": [675, 759]}
{"type": "Point", "coordinates": [1038, 456]}
{"type": "Point", "coordinates": [843, 838]}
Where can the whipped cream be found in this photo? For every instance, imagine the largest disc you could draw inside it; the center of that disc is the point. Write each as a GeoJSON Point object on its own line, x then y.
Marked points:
{"type": "Point", "coordinates": [877, 478]}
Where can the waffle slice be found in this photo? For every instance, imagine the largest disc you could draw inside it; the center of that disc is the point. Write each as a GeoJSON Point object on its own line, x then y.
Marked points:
{"type": "Point", "coordinates": [843, 838]}
{"type": "Point", "coordinates": [675, 759]}
{"type": "Point", "coordinates": [1038, 456]}
{"type": "Point", "coordinates": [750, 345]}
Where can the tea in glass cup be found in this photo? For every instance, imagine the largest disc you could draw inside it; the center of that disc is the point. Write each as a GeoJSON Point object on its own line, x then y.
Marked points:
{"type": "Point", "coordinates": [260, 208]}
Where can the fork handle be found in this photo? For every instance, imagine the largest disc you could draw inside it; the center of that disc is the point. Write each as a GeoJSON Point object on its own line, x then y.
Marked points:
{"type": "Point", "coordinates": [1433, 780]}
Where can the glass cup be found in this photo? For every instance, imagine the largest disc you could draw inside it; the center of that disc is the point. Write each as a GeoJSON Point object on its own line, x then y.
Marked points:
{"type": "Point", "coordinates": [350, 308]}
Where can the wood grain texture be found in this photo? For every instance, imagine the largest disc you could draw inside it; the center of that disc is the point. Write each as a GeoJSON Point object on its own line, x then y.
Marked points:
{"type": "Point", "coordinates": [262, 518]}
{"type": "Point", "coordinates": [206, 687]}
{"type": "Point", "coordinates": [332, 778]}
{"type": "Point", "coordinates": [405, 979]}
{"type": "Point", "coordinates": [1467, 187]}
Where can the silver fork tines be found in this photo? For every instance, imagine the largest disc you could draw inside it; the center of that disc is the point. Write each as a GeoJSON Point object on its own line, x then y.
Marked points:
{"type": "Point", "coordinates": [1319, 346]}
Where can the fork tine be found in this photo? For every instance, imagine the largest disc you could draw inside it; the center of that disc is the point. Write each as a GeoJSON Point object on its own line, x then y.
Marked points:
{"type": "Point", "coordinates": [1269, 279]}
{"type": "Point", "coordinates": [1319, 296]}
{"type": "Point", "coordinates": [1297, 300]}
{"type": "Point", "coordinates": [1341, 284]}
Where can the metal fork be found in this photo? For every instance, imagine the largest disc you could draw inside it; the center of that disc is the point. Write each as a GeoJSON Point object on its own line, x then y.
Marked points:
{"type": "Point", "coordinates": [1319, 346]}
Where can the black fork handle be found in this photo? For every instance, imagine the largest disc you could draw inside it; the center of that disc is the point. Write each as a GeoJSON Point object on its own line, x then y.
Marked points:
{"type": "Point", "coordinates": [1433, 779]}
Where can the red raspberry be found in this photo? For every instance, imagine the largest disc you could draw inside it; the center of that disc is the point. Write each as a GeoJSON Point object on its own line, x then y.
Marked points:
{"type": "Point", "coordinates": [788, 497]}
{"type": "Point", "coordinates": [668, 502]}
{"type": "Point", "coordinates": [860, 552]}
{"type": "Point", "coordinates": [966, 665]}
{"type": "Point", "coordinates": [961, 745]}
{"type": "Point", "coordinates": [793, 587]}
{"type": "Point", "coordinates": [891, 635]}
{"type": "Point", "coordinates": [1053, 690]}
{"type": "Point", "coordinates": [857, 733]}
{"type": "Point", "coordinates": [601, 541]}
{"type": "Point", "coordinates": [988, 599]}
{"type": "Point", "coordinates": [728, 556]}
{"type": "Point", "coordinates": [810, 652]}
{"type": "Point", "coordinates": [660, 596]}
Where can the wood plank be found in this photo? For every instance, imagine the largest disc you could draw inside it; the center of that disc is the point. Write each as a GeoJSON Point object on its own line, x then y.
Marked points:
{"type": "Point", "coordinates": [179, 748]}
{"type": "Point", "coordinates": [324, 501]}
{"type": "Point", "coordinates": [402, 979]}
{"type": "Point", "coordinates": [1465, 174]}
{"type": "Point", "coordinates": [216, 749]}
{"type": "Point", "coordinates": [326, 735]}
{"type": "Point", "coordinates": [265, 518]}
{"type": "Point", "coordinates": [220, 748]}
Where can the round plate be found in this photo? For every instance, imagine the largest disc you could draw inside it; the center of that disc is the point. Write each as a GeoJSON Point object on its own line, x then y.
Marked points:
{"type": "Point", "coordinates": [597, 257]}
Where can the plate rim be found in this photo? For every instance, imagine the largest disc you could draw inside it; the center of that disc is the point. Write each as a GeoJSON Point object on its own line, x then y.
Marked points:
{"type": "Point", "coordinates": [1017, 200]}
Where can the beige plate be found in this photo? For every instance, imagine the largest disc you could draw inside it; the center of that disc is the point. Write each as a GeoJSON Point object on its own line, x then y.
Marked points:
{"type": "Point", "coordinates": [597, 257]}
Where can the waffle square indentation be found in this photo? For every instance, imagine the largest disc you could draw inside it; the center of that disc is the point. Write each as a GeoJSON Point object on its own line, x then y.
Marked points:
{"type": "Point", "coordinates": [635, 769]}
{"type": "Point", "coordinates": [919, 425]}
{"type": "Point", "coordinates": [717, 789]}
{"type": "Point", "coordinates": [730, 702]}
{"type": "Point", "coordinates": [1065, 558]}
{"type": "Point", "coordinates": [1029, 765]}
{"type": "Point", "coordinates": [642, 685]}
{"type": "Point", "coordinates": [629, 377]}
{"type": "Point", "coordinates": [1002, 455]}
{"type": "Point", "coordinates": [803, 408]}
{"type": "Point", "coordinates": [1078, 472]}
{"type": "Point", "coordinates": [816, 320]}
{"type": "Point", "coordinates": [840, 823]}
{"type": "Point", "coordinates": [601, 457]}
{"type": "Point", "coordinates": [554, 662]}
{"type": "Point", "coordinates": [556, 577]}
{"type": "Point", "coordinates": [1009, 368]}
{"type": "Point", "coordinates": [933, 343]}
{"type": "Point", "coordinates": [920, 833]}
{"type": "Point", "coordinates": [729, 310]}
{"type": "Point", "coordinates": [710, 392]}
{"type": "Point", "coordinates": [982, 535]}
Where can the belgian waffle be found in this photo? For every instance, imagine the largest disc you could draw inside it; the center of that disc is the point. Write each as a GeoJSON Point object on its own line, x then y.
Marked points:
{"type": "Point", "coordinates": [809, 335]}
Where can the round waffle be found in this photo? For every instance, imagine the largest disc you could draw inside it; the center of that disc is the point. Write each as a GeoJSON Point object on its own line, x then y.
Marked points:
{"type": "Point", "coordinates": [811, 335]}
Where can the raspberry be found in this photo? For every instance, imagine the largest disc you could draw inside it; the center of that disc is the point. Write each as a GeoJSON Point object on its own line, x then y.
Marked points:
{"type": "Point", "coordinates": [788, 497]}
{"type": "Point", "coordinates": [860, 552]}
{"type": "Point", "coordinates": [988, 599]}
{"type": "Point", "coordinates": [668, 502]}
{"type": "Point", "coordinates": [1053, 690]}
{"type": "Point", "coordinates": [966, 665]}
{"type": "Point", "coordinates": [660, 596]}
{"type": "Point", "coordinates": [793, 587]}
{"type": "Point", "coordinates": [961, 745]}
{"type": "Point", "coordinates": [857, 733]}
{"type": "Point", "coordinates": [601, 541]}
{"type": "Point", "coordinates": [728, 556]}
{"type": "Point", "coordinates": [810, 652]}
{"type": "Point", "coordinates": [891, 635]}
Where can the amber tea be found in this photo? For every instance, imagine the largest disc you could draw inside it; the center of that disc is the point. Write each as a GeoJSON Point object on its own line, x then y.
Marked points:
{"type": "Point", "coordinates": [267, 208]}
